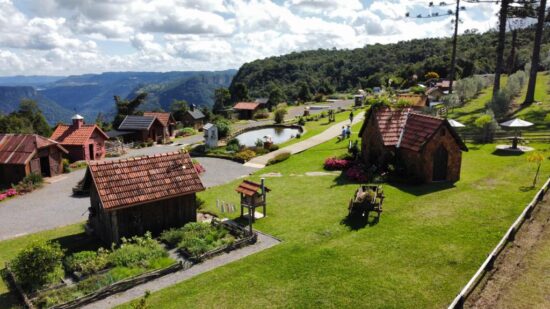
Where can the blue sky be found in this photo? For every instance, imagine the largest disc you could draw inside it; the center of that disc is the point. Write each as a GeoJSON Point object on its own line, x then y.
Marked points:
{"type": "Point", "coordinates": [61, 37]}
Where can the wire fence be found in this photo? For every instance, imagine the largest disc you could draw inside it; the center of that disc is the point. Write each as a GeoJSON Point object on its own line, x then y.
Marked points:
{"type": "Point", "coordinates": [487, 265]}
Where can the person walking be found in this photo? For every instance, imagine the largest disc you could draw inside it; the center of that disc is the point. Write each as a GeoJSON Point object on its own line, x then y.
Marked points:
{"type": "Point", "coordinates": [351, 117]}
{"type": "Point", "coordinates": [348, 132]}
{"type": "Point", "coordinates": [343, 132]}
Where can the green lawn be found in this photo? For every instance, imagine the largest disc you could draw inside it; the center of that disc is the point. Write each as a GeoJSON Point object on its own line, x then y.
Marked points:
{"type": "Point", "coordinates": [534, 113]}
{"type": "Point", "coordinates": [429, 242]}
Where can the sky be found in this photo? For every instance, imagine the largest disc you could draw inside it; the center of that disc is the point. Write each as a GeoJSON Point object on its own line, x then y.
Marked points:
{"type": "Point", "coordinates": [66, 37]}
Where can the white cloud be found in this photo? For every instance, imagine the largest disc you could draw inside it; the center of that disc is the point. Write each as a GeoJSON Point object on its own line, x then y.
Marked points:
{"type": "Point", "coordinates": [76, 36]}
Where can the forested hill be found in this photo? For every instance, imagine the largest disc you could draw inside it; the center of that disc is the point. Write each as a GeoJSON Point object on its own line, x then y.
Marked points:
{"type": "Point", "coordinates": [374, 64]}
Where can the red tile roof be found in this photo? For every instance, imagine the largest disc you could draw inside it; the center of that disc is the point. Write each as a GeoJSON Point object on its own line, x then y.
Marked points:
{"type": "Point", "coordinates": [70, 135]}
{"type": "Point", "coordinates": [403, 128]}
{"type": "Point", "coordinates": [246, 106]}
{"type": "Point", "coordinates": [418, 130]}
{"type": "Point", "coordinates": [250, 188]}
{"type": "Point", "coordinates": [390, 122]}
{"type": "Point", "coordinates": [20, 148]}
{"type": "Point", "coordinates": [164, 118]}
{"type": "Point", "coordinates": [130, 182]}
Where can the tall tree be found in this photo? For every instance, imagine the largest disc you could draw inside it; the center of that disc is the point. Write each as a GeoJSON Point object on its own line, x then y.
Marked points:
{"type": "Point", "coordinates": [127, 107]}
{"type": "Point", "coordinates": [222, 99]}
{"type": "Point", "coordinates": [535, 59]}
{"type": "Point", "coordinates": [276, 96]}
{"type": "Point", "coordinates": [178, 109]}
{"type": "Point", "coordinates": [503, 14]}
{"type": "Point", "coordinates": [28, 109]}
{"type": "Point", "coordinates": [239, 93]}
{"type": "Point", "coordinates": [453, 53]}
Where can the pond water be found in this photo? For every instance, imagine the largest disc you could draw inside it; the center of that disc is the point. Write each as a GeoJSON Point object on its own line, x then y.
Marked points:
{"type": "Point", "coordinates": [278, 135]}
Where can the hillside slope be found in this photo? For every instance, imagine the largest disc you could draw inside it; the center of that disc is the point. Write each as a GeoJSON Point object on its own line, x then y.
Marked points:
{"type": "Point", "coordinates": [373, 65]}
{"type": "Point", "coordinates": [11, 96]}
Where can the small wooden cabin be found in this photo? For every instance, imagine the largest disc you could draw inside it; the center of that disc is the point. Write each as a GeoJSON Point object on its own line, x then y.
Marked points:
{"type": "Point", "coordinates": [83, 141]}
{"type": "Point", "coordinates": [428, 147]}
{"type": "Point", "coordinates": [193, 118]}
{"type": "Point", "coordinates": [132, 196]}
{"type": "Point", "coordinates": [23, 154]}
{"type": "Point", "coordinates": [143, 128]}
{"type": "Point", "coordinates": [167, 121]}
{"type": "Point", "coordinates": [246, 110]}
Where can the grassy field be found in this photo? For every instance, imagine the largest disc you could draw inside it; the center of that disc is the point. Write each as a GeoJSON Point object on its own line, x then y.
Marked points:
{"type": "Point", "coordinates": [534, 113]}
{"type": "Point", "coordinates": [429, 242]}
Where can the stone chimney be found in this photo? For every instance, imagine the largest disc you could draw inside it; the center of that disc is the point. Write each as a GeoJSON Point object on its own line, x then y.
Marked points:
{"type": "Point", "coordinates": [192, 108]}
{"type": "Point", "coordinates": [78, 121]}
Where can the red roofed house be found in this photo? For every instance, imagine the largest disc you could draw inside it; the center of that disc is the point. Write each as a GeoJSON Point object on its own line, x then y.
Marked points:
{"type": "Point", "coordinates": [132, 196]}
{"type": "Point", "coordinates": [83, 141]}
{"type": "Point", "coordinates": [428, 147]}
{"type": "Point", "coordinates": [246, 110]}
{"type": "Point", "coordinates": [22, 154]}
{"type": "Point", "coordinates": [167, 121]}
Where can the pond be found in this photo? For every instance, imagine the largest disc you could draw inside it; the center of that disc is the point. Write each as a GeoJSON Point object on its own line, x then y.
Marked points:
{"type": "Point", "coordinates": [278, 135]}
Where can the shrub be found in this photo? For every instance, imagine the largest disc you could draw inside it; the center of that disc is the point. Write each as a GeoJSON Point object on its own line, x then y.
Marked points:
{"type": "Point", "coordinates": [199, 149]}
{"type": "Point", "coordinates": [11, 192]}
{"type": "Point", "coordinates": [417, 90]}
{"type": "Point", "coordinates": [87, 262]}
{"type": "Point", "coordinates": [273, 147]}
{"type": "Point", "coordinates": [66, 166]}
{"type": "Point", "coordinates": [302, 121]}
{"type": "Point", "coordinates": [279, 115]}
{"type": "Point", "coordinates": [260, 151]}
{"type": "Point", "coordinates": [500, 104]}
{"type": "Point", "coordinates": [357, 173]}
{"type": "Point", "coordinates": [335, 164]}
{"type": "Point", "coordinates": [259, 143]}
{"type": "Point", "coordinates": [137, 251]}
{"type": "Point", "coordinates": [233, 145]}
{"type": "Point", "coordinates": [279, 158]}
{"type": "Point", "coordinates": [188, 131]}
{"type": "Point", "coordinates": [262, 114]}
{"type": "Point", "coordinates": [224, 127]}
{"type": "Point", "coordinates": [38, 264]}
{"type": "Point", "coordinates": [198, 167]}
{"type": "Point", "coordinates": [245, 155]}
{"type": "Point", "coordinates": [198, 238]}
{"type": "Point", "coordinates": [33, 178]}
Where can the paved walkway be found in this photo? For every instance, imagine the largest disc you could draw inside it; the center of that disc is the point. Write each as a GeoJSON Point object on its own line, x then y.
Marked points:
{"type": "Point", "coordinates": [264, 242]}
{"type": "Point", "coordinates": [53, 205]}
{"type": "Point", "coordinates": [328, 134]}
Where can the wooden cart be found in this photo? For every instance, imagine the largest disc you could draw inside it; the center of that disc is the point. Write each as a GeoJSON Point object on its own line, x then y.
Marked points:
{"type": "Point", "coordinates": [367, 198]}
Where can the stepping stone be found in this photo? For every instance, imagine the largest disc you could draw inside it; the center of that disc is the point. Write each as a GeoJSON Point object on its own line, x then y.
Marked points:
{"type": "Point", "coordinates": [272, 175]}
{"type": "Point", "coordinates": [317, 174]}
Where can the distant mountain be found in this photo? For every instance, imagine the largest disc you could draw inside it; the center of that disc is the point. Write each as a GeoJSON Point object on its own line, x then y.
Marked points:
{"type": "Point", "coordinates": [11, 96]}
{"type": "Point", "coordinates": [90, 94]}
{"type": "Point", "coordinates": [34, 81]}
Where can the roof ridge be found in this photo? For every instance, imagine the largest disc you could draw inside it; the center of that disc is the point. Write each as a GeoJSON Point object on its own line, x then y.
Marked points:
{"type": "Point", "coordinates": [123, 160]}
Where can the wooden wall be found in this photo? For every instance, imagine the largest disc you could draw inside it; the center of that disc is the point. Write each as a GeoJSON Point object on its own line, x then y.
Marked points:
{"type": "Point", "coordinates": [154, 217]}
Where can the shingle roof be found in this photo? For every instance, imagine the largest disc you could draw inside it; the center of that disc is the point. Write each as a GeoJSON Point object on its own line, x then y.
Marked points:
{"type": "Point", "coordinates": [163, 117]}
{"type": "Point", "coordinates": [130, 182]}
{"type": "Point", "coordinates": [249, 188]}
{"type": "Point", "coordinates": [403, 128]}
{"type": "Point", "coordinates": [417, 100]}
{"type": "Point", "coordinates": [196, 114]}
{"type": "Point", "coordinates": [137, 123]}
{"type": "Point", "coordinates": [70, 135]}
{"type": "Point", "coordinates": [246, 105]}
{"type": "Point", "coordinates": [20, 148]}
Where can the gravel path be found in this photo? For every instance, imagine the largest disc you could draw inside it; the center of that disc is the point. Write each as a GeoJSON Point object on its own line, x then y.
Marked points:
{"type": "Point", "coordinates": [53, 205]}
{"type": "Point", "coordinates": [328, 134]}
{"type": "Point", "coordinates": [264, 242]}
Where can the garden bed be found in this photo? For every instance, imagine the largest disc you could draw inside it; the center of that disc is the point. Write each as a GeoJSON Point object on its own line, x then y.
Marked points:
{"type": "Point", "coordinates": [201, 241]}
{"type": "Point", "coordinates": [96, 274]}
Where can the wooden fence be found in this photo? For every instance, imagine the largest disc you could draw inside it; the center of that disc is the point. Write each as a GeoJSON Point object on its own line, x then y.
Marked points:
{"type": "Point", "coordinates": [487, 265]}
{"type": "Point", "coordinates": [500, 135]}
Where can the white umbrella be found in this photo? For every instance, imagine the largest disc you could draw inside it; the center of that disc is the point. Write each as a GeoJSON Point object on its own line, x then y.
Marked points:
{"type": "Point", "coordinates": [516, 123]}
{"type": "Point", "coordinates": [455, 124]}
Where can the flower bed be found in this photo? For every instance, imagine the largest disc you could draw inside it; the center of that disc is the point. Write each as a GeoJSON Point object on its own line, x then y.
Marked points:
{"type": "Point", "coordinates": [98, 274]}
{"type": "Point", "coordinates": [198, 241]}
{"type": "Point", "coordinates": [8, 193]}
{"type": "Point", "coordinates": [335, 164]}
{"type": "Point", "coordinates": [198, 167]}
